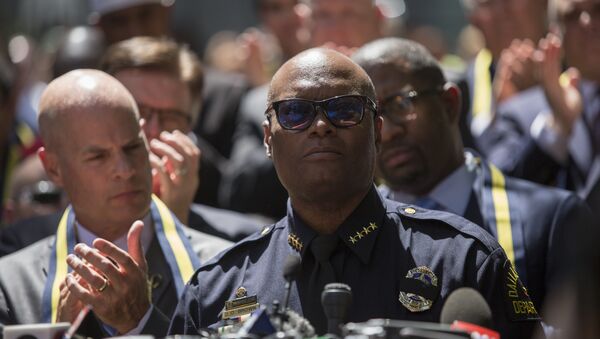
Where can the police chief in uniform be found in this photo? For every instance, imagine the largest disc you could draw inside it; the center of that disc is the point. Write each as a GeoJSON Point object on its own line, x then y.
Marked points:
{"type": "Point", "coordinates": [323, 133]}
{"type": "Point", "coordinates": [423, 161]}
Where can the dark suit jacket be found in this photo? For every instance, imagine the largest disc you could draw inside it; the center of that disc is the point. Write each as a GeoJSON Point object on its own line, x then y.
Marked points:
{"type": "Point", "coordinates": [464, 122]}
{"type": "Point", "coordinates": [223, 223]}
{"type": "Point", "coordinates": [25, 232]}
{"type": "Point", "coordinates": [221, 96]}
{"type": "Point", "coordinates": [548, 219]}
{"type": "Point", "coordinates": [24, 276]}
{"type": "Point", "coordinates": [591, 192]}
{"type": "Point", "coordinates": [250, 183]}
{"type": "Point", "coordinates": [509, 145]}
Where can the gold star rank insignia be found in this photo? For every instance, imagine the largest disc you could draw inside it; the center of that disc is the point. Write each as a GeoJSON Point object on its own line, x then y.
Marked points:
{"type": "Point", "coordinates": [295, 242]}
{"type": "Point", "coordinates": [366, 230]}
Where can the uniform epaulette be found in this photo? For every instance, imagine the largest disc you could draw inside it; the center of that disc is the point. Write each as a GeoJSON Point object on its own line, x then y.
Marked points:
{"type": "Point", "coordinates": [457, 222]}
{"type": "Point", "coordinates": [242, 245]}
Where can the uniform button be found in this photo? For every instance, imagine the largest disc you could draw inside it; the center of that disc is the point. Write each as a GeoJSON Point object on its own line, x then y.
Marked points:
{"type": "Point", "coordinates": [410, 210]}
{"type": "Point", "coordinates": [241, 292]}
{"type": "Point", "coordinates": [265, 230]}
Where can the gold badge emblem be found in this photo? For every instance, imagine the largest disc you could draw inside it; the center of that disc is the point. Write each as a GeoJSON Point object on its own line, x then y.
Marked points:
{"type": "Point", "coordinates": [241, 292]}
{"type": "Point", "coordinates": [241, 305]}
{"type": "Point", "coordinates": [414, 302]}
{"type": "Point", "coordinates": [410, 210]}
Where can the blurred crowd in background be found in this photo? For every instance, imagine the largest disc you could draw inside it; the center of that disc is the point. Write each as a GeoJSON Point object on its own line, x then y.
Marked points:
{"type": "Point", "coordinates": [505, 55]}
{"type": "Point", "coordinates": [241, 44]}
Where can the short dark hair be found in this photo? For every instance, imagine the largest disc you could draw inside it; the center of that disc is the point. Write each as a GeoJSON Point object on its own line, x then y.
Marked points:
{"type": "Point", "coordinates": [158, 54]}
{"type": "Point", "coordinates": [416, 60]}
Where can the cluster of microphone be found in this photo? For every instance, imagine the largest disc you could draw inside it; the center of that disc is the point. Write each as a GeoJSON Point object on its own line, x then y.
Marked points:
{"type": "Point", "coordinates": [465, 314]}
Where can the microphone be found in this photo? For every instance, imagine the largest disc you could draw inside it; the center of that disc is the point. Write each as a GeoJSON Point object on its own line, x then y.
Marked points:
{"type": "Point", "coordinates": [77, 322]}
{"type": "Point", "coordinates": [389, 328]}
{"type": "Point", "coordinates": [282, 319]}
{"type": "Point", "coordinates": [291, 270]}
{"type": "Point", "coordinates": [35, 331]}
{"type": "Point", "coordinates": [336, 299]}
{"type": "Point", "coordinates": [466, 310]}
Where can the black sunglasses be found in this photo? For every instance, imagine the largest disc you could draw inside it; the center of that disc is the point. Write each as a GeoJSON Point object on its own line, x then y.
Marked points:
{"type": "Point", "coordinates": [342, 111]}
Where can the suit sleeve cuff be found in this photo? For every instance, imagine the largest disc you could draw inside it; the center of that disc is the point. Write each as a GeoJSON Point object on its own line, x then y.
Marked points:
{"type": "Point", "coordinates": [136, 330]}
{"type": "Point", "coordinates": [549, 137]}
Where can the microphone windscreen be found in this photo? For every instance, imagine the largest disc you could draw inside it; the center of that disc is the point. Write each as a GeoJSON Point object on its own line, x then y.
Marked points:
{"type": "Point", "coordinates": [467, 305]}
{"type": "Point", "coordinates": [291, 267]}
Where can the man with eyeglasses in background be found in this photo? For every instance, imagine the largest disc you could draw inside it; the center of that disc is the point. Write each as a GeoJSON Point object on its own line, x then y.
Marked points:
{"type": "Point", "coordinates": [323, 132]}
{"type": "Point", "coordinates": [423, 161]}
{"type": "Point", "coordinates": [166, 80]}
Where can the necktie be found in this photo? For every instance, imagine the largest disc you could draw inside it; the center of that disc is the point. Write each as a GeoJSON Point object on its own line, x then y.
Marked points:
{"type": "Point", "coordinates": [322, 247]}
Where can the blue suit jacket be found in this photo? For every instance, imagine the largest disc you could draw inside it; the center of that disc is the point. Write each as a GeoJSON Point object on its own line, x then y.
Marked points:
{"type": "Point", "coordinates": [508, 144]}
{"type": "Point", "coordinates": [545, 220]}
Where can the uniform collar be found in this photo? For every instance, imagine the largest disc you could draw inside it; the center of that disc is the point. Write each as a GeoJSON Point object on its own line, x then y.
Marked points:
{"type": "Point", "coordinates": [358, 232]}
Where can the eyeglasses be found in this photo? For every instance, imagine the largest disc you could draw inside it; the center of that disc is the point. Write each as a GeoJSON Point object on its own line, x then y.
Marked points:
{"type": "Point", "coordinates": [169, 119]}
{"type": "Point", "coordinates": [399, 108]}
{"type": "Point", "coordinates": [342, 111]}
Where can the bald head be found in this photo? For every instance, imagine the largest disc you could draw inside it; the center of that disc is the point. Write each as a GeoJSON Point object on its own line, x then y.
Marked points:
{"type": "Point", "coordinates": [80, 92]}
{"type": "Point", "coordinates": [320, 68]}
{"type": "Point", "coordinates": [96, 151]}
{"type": "Point", "coordinates": [345, 23]}
{"type": "Point", "coordinates": [410, 57]}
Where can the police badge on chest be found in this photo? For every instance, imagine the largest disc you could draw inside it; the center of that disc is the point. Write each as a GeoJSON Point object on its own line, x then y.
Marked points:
{"type": "Point", "coordinates": [419, 289]}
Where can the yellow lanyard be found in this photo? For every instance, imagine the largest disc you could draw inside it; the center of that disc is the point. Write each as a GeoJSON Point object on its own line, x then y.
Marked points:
{"type": "Point", "coordinates": [501, 206]}
{"type": "Point", "coordinates": [178, 252]}
{"type": "Point", "coordinates": [481, 109]}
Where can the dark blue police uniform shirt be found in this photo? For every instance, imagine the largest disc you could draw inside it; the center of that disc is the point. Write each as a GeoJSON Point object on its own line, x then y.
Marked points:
{"type": "Point", "coordinates": [387, 249]}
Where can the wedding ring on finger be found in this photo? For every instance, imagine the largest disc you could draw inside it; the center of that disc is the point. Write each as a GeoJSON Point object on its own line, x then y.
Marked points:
{"type": "Point", "coordinates": [104, 286]}
{"type": "Point", "coordinates": [181, 171]}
